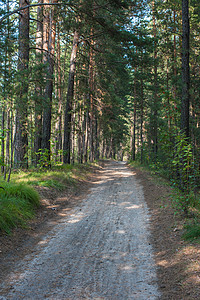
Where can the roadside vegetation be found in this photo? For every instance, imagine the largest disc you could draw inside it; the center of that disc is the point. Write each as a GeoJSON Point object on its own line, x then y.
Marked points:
{"type": "Point", "coordinates": [184, 201]}
{"type": "Point", "coordinates": [17, 204]}
{"type": "Point", "coordinates": [19, 198]}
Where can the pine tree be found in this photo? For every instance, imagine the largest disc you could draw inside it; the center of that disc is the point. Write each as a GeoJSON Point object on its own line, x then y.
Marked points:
{"type": "Point", "coordinates": [185, 69]}
{"type": "Point", "coordinates": [21, 134]}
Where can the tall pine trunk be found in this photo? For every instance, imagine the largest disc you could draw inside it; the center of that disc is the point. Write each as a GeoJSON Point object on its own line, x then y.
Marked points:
{"type": "Point", "coordinates": [185, 69]}
{"type": "Point", "coordinates": [85, 135]}
{"type": "Point", "coordinates": [70, 95]}
{"type": "Point", "coordinates": [58, 129]}
{"type": "Point", "coordinates": [21, 136]}
{"type": "Point", "coordinates": [38, 88]}
{"type": "Point", "coordinates": [134, 121]}
{"type": "Point", "coordinates": [49, 47]}
{"type": "Point", "coordinates": [141, 121]}
{"type": "Point", "coordinates": [3, 140]}
{"type": "Point", "coordinates": [91, 96]}
{"type": "Point", "coordinates": [8, 137]}
{"type": "Point", "coordinates": [155, 93]}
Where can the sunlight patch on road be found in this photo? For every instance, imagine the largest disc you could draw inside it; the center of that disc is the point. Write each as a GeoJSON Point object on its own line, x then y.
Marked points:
{"type": "Point", "coordinates": [44, 242]}
{"type": "Point", "coordinates": [127, 268]}
{"type": "Point", "coordinates": [120, 231]}
{"type": "Point", "coordinates": [134, 206]}
{"type": "Point", "coordinates": [76, 218]}
{"type": "Point", "coordinates": [64, 212]}
{"type": "Point", "coordinates": [125, 203]}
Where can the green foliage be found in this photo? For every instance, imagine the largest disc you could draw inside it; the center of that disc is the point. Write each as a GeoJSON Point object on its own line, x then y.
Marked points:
{"type": "Point", "coordinates": [192, 232]}
{"type": "Point", "coordinates": [18, 199]}
{"type": "Point", "coordinates": [20, 190]}
{"type": "Point", "coordinates": [14, 212]}
{"type": "Point", "coordinates": [1, 161]}
{"type": "Point", "coordinates": [182, 202]}
{"type": "Point", "coordinates": [50, 183]}
{"type": "Point", "coordinates": [184, 164]}
{"type": "Point", "coordinates": [176, 161]}
{"type": "Point", "coordinates": [58, 177]}
{"type": "Point", "coordinates": [44, 160]}
{"type": "Point", "coordinates": [185, 170]}
{"type": "Point", "coordinates": [17, 205]}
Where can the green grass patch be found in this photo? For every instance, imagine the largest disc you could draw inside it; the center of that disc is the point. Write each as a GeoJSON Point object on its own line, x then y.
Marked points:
{"type": "Point", "coordinates": [59, 177]}
{"type": "Point", "coordinates": [19, 199]}
{"type": "Point", "coordinates": [17, 205]}
{"type": "Point", "coordinates": [192, 232]}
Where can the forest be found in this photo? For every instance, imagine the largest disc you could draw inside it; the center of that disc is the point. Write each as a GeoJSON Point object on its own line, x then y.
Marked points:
{"type": "Point", "coordinates": [85, 80]}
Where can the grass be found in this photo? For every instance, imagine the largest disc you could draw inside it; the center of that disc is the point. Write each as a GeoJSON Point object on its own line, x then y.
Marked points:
{"type": "Point", "coordinates": [192, 232]}
{"type": "Point", "coordinates": [17, 205]}
{"type": "Point", "coordinates": [59, 177]}
{"type": "Point", "coordinates": [19, 199]}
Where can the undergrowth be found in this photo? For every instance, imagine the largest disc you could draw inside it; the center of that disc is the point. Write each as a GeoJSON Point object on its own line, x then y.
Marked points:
{"type": "Point", "coordinates": [19, 199]}
{"type": "Point", "coordinates": [59, 177]}
{"type": "Point", "coordinates": [192, 231]}
{"type": "Point", "coordinates": [179, 200]}
{"type": "Point", "coordinates": [17, 205]}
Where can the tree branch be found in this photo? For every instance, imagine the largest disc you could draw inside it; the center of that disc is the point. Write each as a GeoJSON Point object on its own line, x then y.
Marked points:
{"type": "Point", "coordinates": [27, 6]}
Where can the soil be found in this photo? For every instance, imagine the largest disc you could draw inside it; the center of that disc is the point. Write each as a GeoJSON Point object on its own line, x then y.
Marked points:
{"type": "Point", "coordinates": [178, 261]}
{"type": "Point", "coordinates": [178, 267]}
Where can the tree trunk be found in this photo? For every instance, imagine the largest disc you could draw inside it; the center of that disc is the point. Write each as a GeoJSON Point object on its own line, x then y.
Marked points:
{"type": "Point", "coordinates": [91, 96]}
{"type": "Point", "coordinates": [134, 122]}
{"type": "Point", "coordinates": [58, 131]}
{"type": "Point", "coordinates": [175, 58]}
{"type": "Point", "coordinates": [3, 140]}
{"type": "Point", "coordinates": [8, 137]}
{"type": "Point", "coordinates": [96, 150]}
{"type": "Point", "coordinates": [49, 47]}
{"type": "Point", "coordinates": [21, 142]}
{"type": "Point", "coordinates": [85, 137]}
{"type": "Point", "coordinates": [73, 133]}
{"type": "Point", "coordinates": [185, 69]}
{"type": "Point", "coordinates": [141, 122]}
{"type": "Point", "coordinates": [38, 88]}
{"type": "Point", "coordinates": [70, 95]}
{"type": "Point", "coordinates": [155, 94]}
{"type": "Point", "coordinates": [80, 136]}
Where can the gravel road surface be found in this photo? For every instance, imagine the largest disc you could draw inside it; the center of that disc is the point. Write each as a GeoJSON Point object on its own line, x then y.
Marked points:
{"type": "Point", "coordinates": [100, 251]}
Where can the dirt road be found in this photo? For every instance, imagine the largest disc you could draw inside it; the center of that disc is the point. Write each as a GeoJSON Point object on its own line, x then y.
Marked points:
{"type": "Point", "coordinates": [100, 251]}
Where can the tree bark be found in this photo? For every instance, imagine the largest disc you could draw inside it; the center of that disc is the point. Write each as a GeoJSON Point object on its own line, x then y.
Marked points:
{"type": "Point", "coordinates": [155, 94]}
{"type": "Point", "coordinates": [3, 140]}
{"type": "Point", "coordinates": [85, 136]}
{"type": "Point", "coordinates": [91, 96]}
{"type": "Point", "coordinates": [80, 136]}
{"type": "Point", "coordinates": [185, 69]}
{"type": "Point", "coordinates": [58, 129]}
{"type": "Point", "coordinates": [141, 121]}
{"type": "Point", "coordinates": [49, 29]}
{"type": "Point", "coordinates": [8, 137]}
{"type": "Point", "coordinates": [175, 58]}
{"type": "Point", "coordinates": [38, 88]}
{"type": "Point", "coordinates": [134, 121]}
{"type": "Point", "coordinates": [70, 95]}
{"type": "Point", "coordinates": [21, 135]}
